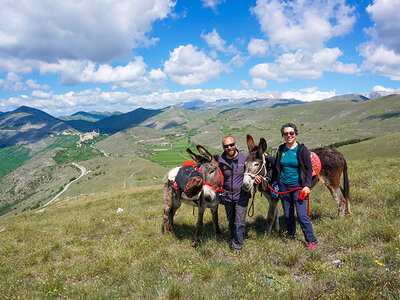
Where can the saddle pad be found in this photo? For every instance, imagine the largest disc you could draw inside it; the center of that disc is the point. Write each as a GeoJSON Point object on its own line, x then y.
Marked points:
{"type": "Point", "coordinates": [172, 174]}
{"type": "Point", "coordinates": [316, 163]}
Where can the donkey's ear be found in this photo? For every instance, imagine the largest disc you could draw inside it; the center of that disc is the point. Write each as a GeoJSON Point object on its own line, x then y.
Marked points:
{"type": "Point", "coordinates": [197, 158]}
{"type": "Point", "coordinates": [207, 155]}
{"type": "Point", "coordinates": [250, 142]}
{"type": "Point", "coordinates": [262, 146]}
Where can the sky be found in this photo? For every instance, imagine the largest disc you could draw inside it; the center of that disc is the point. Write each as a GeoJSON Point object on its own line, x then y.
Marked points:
{"type": "Point", "coordinates": [117, 55]}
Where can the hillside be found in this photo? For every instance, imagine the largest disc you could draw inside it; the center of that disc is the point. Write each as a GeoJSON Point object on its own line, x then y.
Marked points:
{"type": "Point", "coordinates": [115, 123]}
{"type": "Point", "coordinates": [25, 126]}
{"type": "Point", "coordinates": [88, 247]}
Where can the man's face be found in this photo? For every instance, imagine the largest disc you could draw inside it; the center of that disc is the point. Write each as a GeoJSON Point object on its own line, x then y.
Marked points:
{"type": "Point", "coordinates": [229, 146]}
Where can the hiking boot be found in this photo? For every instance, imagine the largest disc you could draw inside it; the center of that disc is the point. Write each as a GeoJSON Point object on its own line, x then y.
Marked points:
{"type": "Point", "coordinates": [311, 246]}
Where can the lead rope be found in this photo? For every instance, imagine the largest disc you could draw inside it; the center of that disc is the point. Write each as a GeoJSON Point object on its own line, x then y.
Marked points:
{"type": "Point", "coordinates": [251, 207]}
{"type": "Point", "coordinates": [301, 196]}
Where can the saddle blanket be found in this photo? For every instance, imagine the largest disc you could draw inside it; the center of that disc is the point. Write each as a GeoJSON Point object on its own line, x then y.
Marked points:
{"type": "Point", "coordinates": [316, 163]}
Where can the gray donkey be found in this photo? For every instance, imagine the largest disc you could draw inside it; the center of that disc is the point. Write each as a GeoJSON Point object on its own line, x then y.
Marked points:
{"type": "Point", "coordinates": [207, 198]}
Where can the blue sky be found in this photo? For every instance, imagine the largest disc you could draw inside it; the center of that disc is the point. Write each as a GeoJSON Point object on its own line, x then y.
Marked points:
{"type": "Point", "coordinates": [65, 56]}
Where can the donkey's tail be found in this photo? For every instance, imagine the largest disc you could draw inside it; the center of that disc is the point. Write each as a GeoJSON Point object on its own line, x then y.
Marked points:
{"type": "Point", "coordinates": [346, 182]}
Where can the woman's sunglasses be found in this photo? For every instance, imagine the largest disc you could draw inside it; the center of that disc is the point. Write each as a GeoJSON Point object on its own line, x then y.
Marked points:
{"type": "Point", "coordinates": [292, 133]}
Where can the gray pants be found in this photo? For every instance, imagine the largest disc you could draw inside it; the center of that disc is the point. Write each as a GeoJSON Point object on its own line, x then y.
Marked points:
{"type": "Point", "coordinates": [236, 214]}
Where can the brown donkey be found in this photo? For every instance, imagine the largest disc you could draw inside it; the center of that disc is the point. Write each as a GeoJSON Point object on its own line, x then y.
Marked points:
{"type": "Point", "coordinates": [333, 165]}
{"type": "Point", "coordinates": [207, 198]}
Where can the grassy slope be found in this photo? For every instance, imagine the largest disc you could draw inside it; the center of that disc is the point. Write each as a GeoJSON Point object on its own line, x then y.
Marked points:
{"type": "Point", "coordinates": [86, 249]}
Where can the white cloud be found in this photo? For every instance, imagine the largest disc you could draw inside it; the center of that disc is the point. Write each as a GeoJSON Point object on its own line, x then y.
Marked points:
{"type": "Point", "coordinates": [300, 24]}
{"type": "Point", "coordinates": [214, 40]}
{"type": "Point", "coordinates": [133, 76]}
{"type": "Point", "coordinates": [257, 47]}
{"type": "Point", "coordinates": [41, 94]}
{"type": "Point", "coordinates": [259, 83]}
{"type": "Point", "coordinates": [303, 65]}
{"type": "Point", "coordinates": [212, 4]}
{"type": "Point", "coordinates": [12, 82]}
{"type": "Point", "coordinates": [35, 86]}
{"type": "Point", "coordinates": [379, 88]}
{"type": "Point", "coordinates": [310, 94]}
{"type": "Point", "coordinates": [189, 66]}
{"type": "Point", "coordinates": [53, 30]}
{"type": "Point", "coordinates": [157, 74]}
{"type": "Point", "coordinates": [382, 52]}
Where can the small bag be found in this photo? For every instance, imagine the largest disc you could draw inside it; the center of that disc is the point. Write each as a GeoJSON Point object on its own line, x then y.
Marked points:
{"type": "Point", "coordinates": [193, 186]}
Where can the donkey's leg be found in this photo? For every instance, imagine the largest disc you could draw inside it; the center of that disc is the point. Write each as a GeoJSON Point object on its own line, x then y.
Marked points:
{"type": "Point", "coordinates": [273, 212]}
{"type": "Point", "coordinates": [214, 213]}
{"type": "Point", "coordinates": [346, 202]}
{"type": "Point", "coordinates": [338, 196]}
{"type": "Point", "coordinates": [169, 210]}
{"type": "Point", "coordinates": [199, 226]}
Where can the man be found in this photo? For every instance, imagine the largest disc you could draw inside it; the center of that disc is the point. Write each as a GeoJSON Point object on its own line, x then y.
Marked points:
{"type": "Point", "coordinates": [231, 163]}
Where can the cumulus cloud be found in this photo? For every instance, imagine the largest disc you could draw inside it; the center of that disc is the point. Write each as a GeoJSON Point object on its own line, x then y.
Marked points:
{"type": "Point", "coordinates": [189, 66]}
{"type": "Point", "coordinates": [382, 52]}
{"type": "Point", "coordinates": [257, 47]}
{"type": "Point", "coordinates": [302, 65]}
{"type": "Point", "coordinates": [35, 86]}
{"type": "Point", "coordinates": [212, 4]}
{"type": "Point", "coordinates": [309, 94]}
{"type": "Point", "coordinates": [53, 30]}
{"type": "Point", "coordinates": [298, 24]}
{"type": "Point", "coordinates": [214, 40]}
{"type": "Point", "coordinates": [12, 82]}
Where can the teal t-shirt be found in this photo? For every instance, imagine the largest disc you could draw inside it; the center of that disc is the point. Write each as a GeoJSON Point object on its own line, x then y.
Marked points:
{"type": "Point", "coordinates": [289, 166]}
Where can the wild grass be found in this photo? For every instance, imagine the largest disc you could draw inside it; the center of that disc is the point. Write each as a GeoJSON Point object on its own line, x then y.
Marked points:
{"type": "Point", "coordinates": [84, 248]}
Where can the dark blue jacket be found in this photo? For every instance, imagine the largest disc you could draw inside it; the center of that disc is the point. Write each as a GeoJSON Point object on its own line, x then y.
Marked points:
{"type": "Point", "coordinates": [305, 167]}
{"type": "Point", "coordinates": [233, 177]}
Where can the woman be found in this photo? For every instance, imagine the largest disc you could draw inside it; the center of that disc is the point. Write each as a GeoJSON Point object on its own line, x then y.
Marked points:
{"type": "Point", "coordinates": [293, 170]}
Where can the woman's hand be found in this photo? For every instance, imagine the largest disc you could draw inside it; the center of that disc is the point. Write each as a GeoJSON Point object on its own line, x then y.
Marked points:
{"type": "Point", "coordinates": [306, 191]}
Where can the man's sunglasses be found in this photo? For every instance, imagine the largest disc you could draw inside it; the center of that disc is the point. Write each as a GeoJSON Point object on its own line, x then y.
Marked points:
{"type": "Point", "coordinates": [229, 145]}
{"type": "Point", "coordinates": [292, 133]}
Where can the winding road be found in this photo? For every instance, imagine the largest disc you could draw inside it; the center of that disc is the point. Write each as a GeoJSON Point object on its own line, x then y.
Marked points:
{"type": "Point", "coordinates": [83, 172]}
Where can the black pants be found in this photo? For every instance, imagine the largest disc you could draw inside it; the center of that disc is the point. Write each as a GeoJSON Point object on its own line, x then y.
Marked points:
{"type": "Point", "coordinates": [236, 214]}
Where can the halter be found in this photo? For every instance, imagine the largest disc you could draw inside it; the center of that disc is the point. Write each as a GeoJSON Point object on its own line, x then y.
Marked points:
{"type": "Point", "coordinates": [263, 167]}
{"type": "Point", "coordinates": [214, 185]}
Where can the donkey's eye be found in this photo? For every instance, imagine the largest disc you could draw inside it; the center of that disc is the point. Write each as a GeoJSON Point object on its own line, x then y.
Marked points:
{"type": "Point", "coordinates": [256, 164]}
{"type": "Point", "coordinates": [212, 171]}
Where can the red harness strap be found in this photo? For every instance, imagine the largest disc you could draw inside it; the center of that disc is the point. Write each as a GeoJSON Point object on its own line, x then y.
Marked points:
{"type": "Point", "coordinates": [301, 196]}
{"type": "Point", "coordinates": [214, 185]}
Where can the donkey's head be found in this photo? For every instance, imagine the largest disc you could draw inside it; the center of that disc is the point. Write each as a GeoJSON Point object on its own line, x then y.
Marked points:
{"type": "Point", "coordinates": [209, 172]}
{"type": "Point", "coordinates": [256, 163]}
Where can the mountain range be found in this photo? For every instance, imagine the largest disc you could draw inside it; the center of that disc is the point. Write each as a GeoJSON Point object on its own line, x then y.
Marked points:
{"type": "Point", "coordinates": [27, 125]}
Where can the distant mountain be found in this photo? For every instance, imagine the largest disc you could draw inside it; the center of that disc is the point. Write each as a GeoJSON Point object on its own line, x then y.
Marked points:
{"type": "Point", "coordinates": [27, 125]}
{"type": "Point", "coordinates": [348, 97]}
{"type": "Point", "coordinates": [378, 94]}
{"type": "Point", "coordinates": [237, 103]}
{"type": "Point", "coordinates": [115, 123]}
{"type": "Point", "coordinates": [92, 116]}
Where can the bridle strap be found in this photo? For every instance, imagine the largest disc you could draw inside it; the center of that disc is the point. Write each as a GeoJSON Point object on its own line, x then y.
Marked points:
{"type": "Point", "coordinates": [263, 167]}
{"type": "Point", "coordinates": [220, 176]}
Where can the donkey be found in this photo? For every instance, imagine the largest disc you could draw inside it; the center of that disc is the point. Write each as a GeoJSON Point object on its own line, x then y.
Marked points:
{"type": "Point", "coordinates": [259, 162]}
{"type": "Point", "coordinates": [207, 198]}
{"type": "Point", "coordinates": [333, 165]}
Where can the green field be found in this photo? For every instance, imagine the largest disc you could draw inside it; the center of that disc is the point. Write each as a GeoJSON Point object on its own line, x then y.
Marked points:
{"type": "Point", "coordinates": [172, 156]}
{"type": "Point", "coordinates": [11, 158]}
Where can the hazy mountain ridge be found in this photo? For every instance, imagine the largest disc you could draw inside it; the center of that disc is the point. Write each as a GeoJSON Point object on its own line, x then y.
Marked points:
{"type": "Point", "coordinates": [27, 125]}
